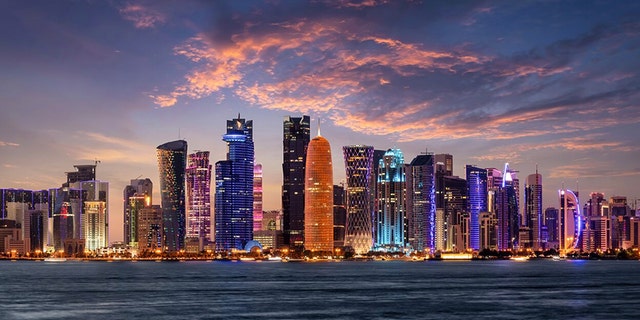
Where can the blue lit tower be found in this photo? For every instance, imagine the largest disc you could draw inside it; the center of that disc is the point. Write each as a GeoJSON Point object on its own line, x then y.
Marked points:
{"type": "Point", "coordinates": [172, 158]}
{"type": "Point", "coordinates": [570, 221]}
{"type": "Point", "coordinates": [358, 164]}
{"type": "Point", "coordinates": [477, 202]}
{"type": "Point", "coordinates": [421, 203]}
{"type": "Point", "coordinates": [234, 188]}
{"type": "Point", "coordinates": [296, 137]}
{"type": "Point", "coordinates": [391, 216]}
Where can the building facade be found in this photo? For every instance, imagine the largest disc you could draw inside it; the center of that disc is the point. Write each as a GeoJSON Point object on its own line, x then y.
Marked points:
{"type": "Point", "coordinates": [318, 200]}
{"type": "Point", "coordinates": [198, 175]}
{"type": "Point", "coordinates": [477, 202]}
{"type": "Point", "coordinates": [391, 220]}
{"type": "Point", "coordinates": [358, 163]}
{"type": "Point", "coordinates": [533, 209]}
{"type": "Point", "coordinates": [296, 137]}
{"type": "Point", "coordinates": [172, 158]}
{"type": "Point", "coordinates": [421, 203]}
{"type": "Point", "coordinates": [137, 195]}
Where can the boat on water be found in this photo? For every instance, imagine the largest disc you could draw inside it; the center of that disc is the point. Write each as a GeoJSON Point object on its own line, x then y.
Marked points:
{"type": "Point", "coordinates": [520, 258]}
{"type": "Point", "coordinates": [55, 259]}
{"type": "Point", "coordinates": [274, 259]}
{"type": "Point", "coordinates": [247, 259]}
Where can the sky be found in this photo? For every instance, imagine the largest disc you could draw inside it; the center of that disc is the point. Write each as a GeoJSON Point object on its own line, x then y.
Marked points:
{"type": "Point", "coordinates": [552, 84]}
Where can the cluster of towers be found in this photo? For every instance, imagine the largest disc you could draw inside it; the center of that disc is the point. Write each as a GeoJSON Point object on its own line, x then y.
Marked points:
{"type": "Point", "coordinates": [71, 219]}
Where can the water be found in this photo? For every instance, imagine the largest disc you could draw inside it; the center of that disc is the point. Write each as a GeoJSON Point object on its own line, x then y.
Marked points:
{"type": "Point", "coordinates": [331, 290]}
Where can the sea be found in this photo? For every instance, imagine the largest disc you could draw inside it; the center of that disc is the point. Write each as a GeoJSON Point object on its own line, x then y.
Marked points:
{"type": "Point", "coordinates": [536, 289]}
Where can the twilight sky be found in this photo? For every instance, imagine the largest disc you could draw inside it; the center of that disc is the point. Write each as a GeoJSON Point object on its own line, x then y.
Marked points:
{"type": "Point", "coordinates": [552, 83]}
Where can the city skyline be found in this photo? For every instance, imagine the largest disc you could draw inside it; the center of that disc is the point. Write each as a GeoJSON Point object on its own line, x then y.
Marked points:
{"type": "Point", "coordinates": [476, 80]}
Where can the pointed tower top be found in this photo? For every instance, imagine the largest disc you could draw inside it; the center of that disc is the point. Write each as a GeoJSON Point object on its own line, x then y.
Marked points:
{"type": "Point", "coordinates": [319, 135]}
{"type": "Point", "coordinates": [238, 115]}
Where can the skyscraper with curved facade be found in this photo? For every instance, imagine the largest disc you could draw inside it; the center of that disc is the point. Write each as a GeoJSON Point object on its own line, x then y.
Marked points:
{"type": "Point", "coordinates": [358, 164]}
{"type": "Point", "coordinates": [318, 200]}
{"type": "Point", "coordinates": [234, 188]}
{"type": "Point", "coordinates": [172, 158]}
{"type": "Point", "coordinates": [199, 198]}
{"type": "Point", "coordinates": [391, 220]}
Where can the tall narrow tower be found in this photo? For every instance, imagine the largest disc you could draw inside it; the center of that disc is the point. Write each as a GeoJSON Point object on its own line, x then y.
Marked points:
{"type": "Point", "coordinates": [391, 219]}
{"type": "Point", "coordinates": [199, 198]}
{"type": "Point", "coordinates": [533, 208]}
{"type": "Point", "coordinates": [477, 202]}
{"type": "Point", "coordinates": [234, 188]}
{"type": "Point", "coordinates": [172, 158]}
{"type": "Point", "coordinates": [318, 202]}
{"type": "Point", "coordinates": [358, 163]}
{"type": "Point", "coordinates": [296, 136]}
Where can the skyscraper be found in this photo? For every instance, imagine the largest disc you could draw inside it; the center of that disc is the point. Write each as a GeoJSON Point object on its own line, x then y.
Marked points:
{"type": "Point", "coordinates": [391, 223]}
{"type": "Point", "coordinates": [198, 174]}
{"type": "Point", "coordinates": [339, 215]}
{"type": "Point", "coordinates": [421, 203]}
{"type": "Point", "coordinates": [95, 213]}
{"type": "Point", "coordinates": [234, 188]}
{"type": "Point", "coordinates": [477, 202]}
{"type": "Point", "coordinates": [172, 158]}
{"type": "Point", "coordinates": [506, 208]}
{"type": "Point", "coordinates": [137, 195]}
{"type": "Point", "coordinates": [533, 208]}
{"type": "Point", "coordinates": [358, 163]}
{"type": "Point", "coordinates": [257, 197]}
{"type": "Point", "coordinates": [318, 200]}
{"type": "Point", "coordinates": [570, 221]}
{"type": "Point", "coordinates": [296, 136]}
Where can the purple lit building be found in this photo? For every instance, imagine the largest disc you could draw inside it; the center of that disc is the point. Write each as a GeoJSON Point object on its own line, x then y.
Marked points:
{"type": "Point", "coordinates": [198, 175]}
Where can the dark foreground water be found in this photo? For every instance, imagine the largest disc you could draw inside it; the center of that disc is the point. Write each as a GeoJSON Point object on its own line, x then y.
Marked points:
{"type": "Point", "coordinates": [332, 290]}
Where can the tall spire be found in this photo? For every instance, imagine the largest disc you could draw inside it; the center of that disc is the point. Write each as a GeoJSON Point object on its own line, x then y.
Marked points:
{"type": "Point", "coordinates": [319, 135]}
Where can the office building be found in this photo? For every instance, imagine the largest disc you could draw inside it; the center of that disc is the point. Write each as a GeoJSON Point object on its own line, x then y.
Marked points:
{"type": "Point", "coordinates": [477, 202]}
{"type": "Point", "coordinates": [296, 137]}
{"type": "Point", "coordinates": [172, 157]}
{"type": "Point", "coordinates": [234, 188]}
{"type": "Point", "coordinates": [421, 203]}
{"type": "Point", "coordinates": [358, 163]}
{"type": "Point", "coordinates": [198, 222]}
{"type": "Point", "coordinates": [257, 196]}
{"type": "Point", "coordinates": [391, 220]}
{"type": "Point", "coordinates": [318, 200]}
{"type": "Point", "coordinates": [533, 209]}
{"type": "Point", "coordinates": [137, 195]}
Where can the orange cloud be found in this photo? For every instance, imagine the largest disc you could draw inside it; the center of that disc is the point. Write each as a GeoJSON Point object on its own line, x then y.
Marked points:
{"type": "Point", "coordinates": [142, 17]}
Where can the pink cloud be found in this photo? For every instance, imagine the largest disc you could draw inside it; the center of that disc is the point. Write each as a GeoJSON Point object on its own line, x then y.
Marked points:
{"type": "Point", "coordinates": [141, 16]}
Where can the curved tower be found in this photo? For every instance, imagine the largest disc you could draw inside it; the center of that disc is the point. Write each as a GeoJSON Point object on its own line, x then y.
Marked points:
{"type": "Point", "coordinates": [570, 226]}
{"type": "Point", "coordinates": [318, 198]}
{"type": "Point", "coordinates": [172, 158]}
{"type": "Point", "coordinates": [358, 164]}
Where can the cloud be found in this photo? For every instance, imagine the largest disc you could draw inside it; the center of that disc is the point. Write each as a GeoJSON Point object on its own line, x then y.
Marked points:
{"type": "Point", "coordinates": [97, 146]}
{"type": "Point", "coordinates": [369, 79]}
{"type": "Point", "coordinates": [8, 144]}
{"type": "Point", "coordinates": [142, 17]}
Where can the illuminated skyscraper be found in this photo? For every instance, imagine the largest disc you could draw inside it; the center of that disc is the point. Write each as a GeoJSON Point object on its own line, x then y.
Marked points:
{"type": "Point", "coordinates": [137, 195]}
{"type": "Point", "coordinates": [358, 163]}
{"type": "Point", "coordinates": [172, 157]}
{"type": "Point", "coordinates": [234, 188]}
{"type": "Point", "coordinates": [198, 174]}
{"type": "Point", "coordinates": [421, 203]}
{"type": "Point", "coordinates": [391, 220]}
{"type": "Point", "coordinates": [318, 201]}
{"type": "Point", "coordinates": [477, 202]}
{"type": "Point", "coordinates": [296, 136]}
{"type": "Point", "coordinates": [95, 213]}
{"type": "Point", "coordinates": [339, 215]}
{"type": "Point", "coordinates": [257, 197]}
{"type": "Point", "coordinates": [506, 208]}
{"type": "Point", "coordinates": [533, 209]}
{"type": "Point", "coordinates": [570, 221]}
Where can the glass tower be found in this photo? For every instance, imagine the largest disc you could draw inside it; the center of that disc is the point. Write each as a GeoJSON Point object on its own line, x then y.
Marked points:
{"type": "Point", "coordinates": [199, 198]}
{"type": "Point", "coordinates": [391, 217]}
{"type": "Point", "coordinates": [137, 195]}
{"type": "Point", "coordinates": [234, 188]}
{"type": "Point", "coordinates": [477, 202]}
{"type": "Point", "coordinates": [318, 202]}
{"type": "Point", "coordinates": [421, 203]}
{"type": "Point", "coordinates": [533, 209]}
{"type": "Point", "coordinates": [296, 136]}
{"type": "Point", "coordinates": [358, 163]}
{"type": "Point", "coordinates": [257, 197]}
{"type": "Point", "coordinates": [172, 158]}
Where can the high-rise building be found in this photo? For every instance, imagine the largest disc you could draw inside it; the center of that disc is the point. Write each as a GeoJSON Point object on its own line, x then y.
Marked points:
{"type": "Point", "coordinates": [339, 215]}
{"type": "Point", "coordinates": [444, 161]}
{"type": "Point", "coordinates": [421, 203]}
{"type": "Point", "coordinates": [234, 188]}
{"type": "Point", "coordinates": [198, 222]}
{"type": "Point", "coordinates": [137, 195]}
{"type": "Point", "coordinates": [172, 158]}
{"type": "Point", "coordinates": [570, 221]}
{"type": "Point", "coordinates": [358, 164]}
{"type": "Point", "coordinates": [533, 209]}
{"type": "Point", "coordinates": [65, 223]}
{"type": "Point", "coordinates": [20, 206]}
{"type": "Point", "coordinates": [488, 231]}
{"type": "Point", "coordinates": [150, 231]}
{"type": "Point", "coordinates": [620, 223]}
{"type": "Point", "coordinates": [477, 202]}
{"type": "Point", "coordinates": [296, 137]}
{"type": "Point", "coordinates": [507, 213]}
{"type": "Point", "coordinates": [82, 173]}
{"type": "Point", "coordinates": [391, 219]}
{"type": "Point", "coordinates": [551, 221]}
{"type": "Point", "coordinates": [95, 213]}
{"type": "Point", "coordinates": [257, 197]}
{"type": "Point", "coordinates": [318, 198]}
